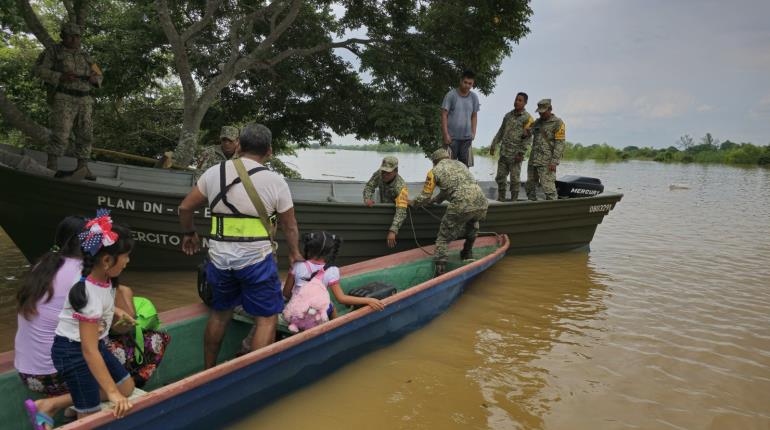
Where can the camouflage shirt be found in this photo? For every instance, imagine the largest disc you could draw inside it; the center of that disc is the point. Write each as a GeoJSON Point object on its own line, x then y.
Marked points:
{"type": "Point", "coordinates": [396, 191]}
{"type": "Point", "coordinates": [457, 185]}
{"type": "Point", "coordinates": [510, 136]}
{"type": "Point", "coordinates": [57, 60]}
{"type": "Point", "coordinates": [548, 141]}
{"type": "Point", "coordinates": [212, 156]}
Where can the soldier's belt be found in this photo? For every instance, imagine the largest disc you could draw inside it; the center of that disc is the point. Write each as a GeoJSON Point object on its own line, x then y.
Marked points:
{"type": "Point", "coordinates": [74, 93]}
{"type": "Point", "coordinates": [229, 228]}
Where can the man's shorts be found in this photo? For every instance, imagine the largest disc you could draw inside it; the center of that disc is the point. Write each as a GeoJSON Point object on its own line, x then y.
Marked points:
{"type": "Point", "coordinates": [67, 356]}
{"type": "Point", "coordinates": [256, 287]}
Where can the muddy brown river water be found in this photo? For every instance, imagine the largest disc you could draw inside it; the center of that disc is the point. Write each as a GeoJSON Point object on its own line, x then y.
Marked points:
{"type": "Point", "coordinates": [665, 323]}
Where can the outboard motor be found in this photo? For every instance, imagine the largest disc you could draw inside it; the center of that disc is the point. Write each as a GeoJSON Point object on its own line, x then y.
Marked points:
{"type": "Point", "coordinates": [571, 186]}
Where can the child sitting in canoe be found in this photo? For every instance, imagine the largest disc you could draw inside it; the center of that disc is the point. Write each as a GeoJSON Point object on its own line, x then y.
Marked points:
{"type": "Point", "coordinates": [79, 352]}
{"type": "Point", "coordinates": [41, 299]}
{"type": "Point", "coordinates": [319, 250]}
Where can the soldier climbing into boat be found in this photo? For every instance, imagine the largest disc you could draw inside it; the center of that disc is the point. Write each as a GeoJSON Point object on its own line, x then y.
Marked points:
{"type": "Point", "coordinates": [226, 150]}
{"type": "Point", "coordinates": [467, 205]}
{"type": "Point", "coordinates": [514, 138]}
{"type": "Point", "coordinates": [70, 75]}
{"type": "Point", "coordinates": [547, 149]}
{"type": "Point", "coordinates": [243, 269]}
{"type": "Point", "coordinates": [392, 189]}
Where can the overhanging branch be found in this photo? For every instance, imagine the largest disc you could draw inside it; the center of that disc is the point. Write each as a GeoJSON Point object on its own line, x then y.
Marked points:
{"type": "Point", "coordinates": [34, 24]}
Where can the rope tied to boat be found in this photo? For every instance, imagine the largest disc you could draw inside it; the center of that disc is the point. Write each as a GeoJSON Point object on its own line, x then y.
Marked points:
{"type": "Point", "coordinates": [436, 217]}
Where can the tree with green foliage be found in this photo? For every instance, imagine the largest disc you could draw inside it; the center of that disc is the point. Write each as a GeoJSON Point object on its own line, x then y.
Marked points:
{"type": "Point", "coordinates": [408, 51]}
{"type": "Point", "coordinates": [277, 62]}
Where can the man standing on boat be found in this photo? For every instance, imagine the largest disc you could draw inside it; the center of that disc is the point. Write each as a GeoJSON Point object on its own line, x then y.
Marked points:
{"type": "Point", "coordinates": [514, 138]}
{"type": "Point", "coordinates": [392, 189]}
{"type": "Point", "coordinates": [547, 149]}
{"type": "Point", "coordinates": [70, 75]}
{"type": "Point", "coordinates": [459, 118]}
{"type": "Point", "coordinates": [467, 205]}
{"type": "Point", "coordinates": [242, 270]}
{"type": "Point", "coordinates": [215, 154]}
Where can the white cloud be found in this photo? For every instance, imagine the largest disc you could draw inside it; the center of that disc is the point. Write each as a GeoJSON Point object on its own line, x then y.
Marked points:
{"type": "Point", "coordinates": [662, 104]}
{"type": "Point", "coordinates": [595, 101]}
{"type": "Point", "coordinates": [761, 109]}
{"type": "Point", "coordinates": [704, 108]}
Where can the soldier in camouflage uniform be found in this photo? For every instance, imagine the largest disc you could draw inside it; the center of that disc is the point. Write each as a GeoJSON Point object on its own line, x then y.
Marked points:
{"type": "Point", "coordinates": [392, 189]}
{"type": "Point", "coordinates": [467, 205]}
{"type": "Point", "coordinates": [70, 74]}
{"type": "Point", "coordinates": [226, 150]}
{"type": "Point", "coordinates": [547, 149]}
{"type": "Point", "coordinates": [514, 138]}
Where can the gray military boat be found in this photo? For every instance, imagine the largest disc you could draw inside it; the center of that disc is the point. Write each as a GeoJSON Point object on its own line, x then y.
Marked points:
{"type": "Point", "coordinates": [32, 202]}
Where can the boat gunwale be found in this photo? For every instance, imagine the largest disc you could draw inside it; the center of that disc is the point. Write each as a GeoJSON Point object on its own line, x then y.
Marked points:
{"type": "Point", "coordinates": [205, 376]}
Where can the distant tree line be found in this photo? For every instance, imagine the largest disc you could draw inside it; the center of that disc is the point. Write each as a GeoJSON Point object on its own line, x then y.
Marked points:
{"type": "Point", "coordinates": [685, 150]}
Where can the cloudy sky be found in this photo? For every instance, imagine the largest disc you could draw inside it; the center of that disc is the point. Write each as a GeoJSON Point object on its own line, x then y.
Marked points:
{"type": "Point", "coordinates": [642, 72]}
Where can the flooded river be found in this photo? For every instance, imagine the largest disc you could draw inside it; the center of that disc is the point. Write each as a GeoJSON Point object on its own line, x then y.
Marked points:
{"type": "Point", "coordinates": [665, 323]}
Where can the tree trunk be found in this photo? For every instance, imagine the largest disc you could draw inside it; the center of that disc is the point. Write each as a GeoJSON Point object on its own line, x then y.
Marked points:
{"type": "Point", "coordinates": [188, 138]}
{"type": "Point", "coordinates": [16, 119]}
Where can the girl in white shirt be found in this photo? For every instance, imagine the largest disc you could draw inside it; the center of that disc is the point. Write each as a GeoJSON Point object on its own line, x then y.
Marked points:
{"type": "Point", "coordinates": [319, 250]}
{"type": "Point", "coordinates": [79, 353]}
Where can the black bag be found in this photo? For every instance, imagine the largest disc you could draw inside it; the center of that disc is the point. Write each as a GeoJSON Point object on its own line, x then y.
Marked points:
{"type": "Point", "coordinates": [204, 289]}
{"type": "Point", "coordinates": [377, 290]}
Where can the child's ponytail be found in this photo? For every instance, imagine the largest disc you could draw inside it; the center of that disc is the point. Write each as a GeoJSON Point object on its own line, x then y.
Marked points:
{"type": "Point", "coordinates": [78, 297]}
{"type": "Point", "coordinates": [335, 249]}
{"type": "Point", "coordinates": [38, 283]}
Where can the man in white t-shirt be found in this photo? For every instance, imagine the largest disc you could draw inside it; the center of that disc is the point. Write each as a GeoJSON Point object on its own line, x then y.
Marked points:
{"type": "Point", "coordinates": [242, 270]}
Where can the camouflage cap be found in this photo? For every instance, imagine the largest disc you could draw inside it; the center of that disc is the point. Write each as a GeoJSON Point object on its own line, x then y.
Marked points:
{"type": "Point", "coordinates": [70, 28]}
{"type": "Point", "coordinates": [439, 154]}
{"type": "Point", "coordinates": [389, 164]}
{"type": "Point", "coordinates": [543, 105]}
{"type": "Point", "coordinates": [229, 132]}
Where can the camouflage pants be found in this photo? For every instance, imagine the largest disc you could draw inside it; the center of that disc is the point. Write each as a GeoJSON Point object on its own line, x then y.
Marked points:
{"type": "Point", "coordinates": [68, 114]}
{"type": "Point", "coordinates": [455, 225]}
{"type": "Point", "coordinates": [508, 166]}
{"type": "Point", "coordinates": [545, 177]}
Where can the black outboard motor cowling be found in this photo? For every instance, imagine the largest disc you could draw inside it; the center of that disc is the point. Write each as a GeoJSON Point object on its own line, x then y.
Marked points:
{"type": "Point", "coordinates": [571, 186]}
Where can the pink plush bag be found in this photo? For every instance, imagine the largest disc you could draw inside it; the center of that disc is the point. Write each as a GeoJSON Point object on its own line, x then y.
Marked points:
{"type": "Point", "coordinates": [308, 305]}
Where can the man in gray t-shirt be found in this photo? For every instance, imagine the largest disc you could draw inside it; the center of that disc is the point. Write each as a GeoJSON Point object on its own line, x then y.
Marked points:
{"type": "Point", "coordinates": [458, 119]}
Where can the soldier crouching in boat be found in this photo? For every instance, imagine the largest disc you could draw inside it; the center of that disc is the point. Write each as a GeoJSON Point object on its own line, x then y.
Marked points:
{"type": "Point", "coordinates": [467, 205]}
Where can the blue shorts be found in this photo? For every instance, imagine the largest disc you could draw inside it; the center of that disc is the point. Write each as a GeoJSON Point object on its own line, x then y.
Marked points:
{"type": "Point", "coordinates": [257, 288]}
{"type": "Point", "coordinates": [69, 362]}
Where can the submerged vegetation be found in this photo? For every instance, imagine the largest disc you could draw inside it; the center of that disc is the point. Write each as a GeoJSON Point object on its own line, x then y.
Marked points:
{"type": "Point", "coordinates": [685, 150]}
{"type": "Point", "coordinates": [709, 150]}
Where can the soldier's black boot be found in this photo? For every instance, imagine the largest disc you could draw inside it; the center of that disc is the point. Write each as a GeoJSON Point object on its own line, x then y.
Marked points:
{"type": "Point", "coordinates": [440, 268]}
{"type": "Point", "coordinates": [52, 163]}
{"type": "Point", "coordinates": [500, 194]}
{"type": "Point", "coordinates": [467, 252]}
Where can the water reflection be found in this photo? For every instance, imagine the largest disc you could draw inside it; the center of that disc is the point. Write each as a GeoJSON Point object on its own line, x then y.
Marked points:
{"type": "Point", "coordinates": [486, 363]}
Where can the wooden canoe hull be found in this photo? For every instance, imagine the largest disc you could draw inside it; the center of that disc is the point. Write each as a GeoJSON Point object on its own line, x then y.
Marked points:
{"type": "Point", "coordinates": [239, 386]}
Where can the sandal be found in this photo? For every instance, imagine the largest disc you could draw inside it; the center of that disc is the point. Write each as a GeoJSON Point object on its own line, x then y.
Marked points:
{"type": "Point", "coordinates": [38, 419]}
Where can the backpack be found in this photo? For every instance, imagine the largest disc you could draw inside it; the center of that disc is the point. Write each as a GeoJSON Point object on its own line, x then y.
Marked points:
{"type": "Point", "coordinates": [146, 319]}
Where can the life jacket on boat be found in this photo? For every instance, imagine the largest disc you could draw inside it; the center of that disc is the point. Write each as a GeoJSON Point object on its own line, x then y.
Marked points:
{"type": "Point", "coordinates": [235, 226]}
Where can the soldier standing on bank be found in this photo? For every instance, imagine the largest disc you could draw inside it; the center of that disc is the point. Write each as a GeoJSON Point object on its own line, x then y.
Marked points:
{"type": "Point", "coordinates": [547, 149]}
{"type": "Point", "coordinates": [467, 205]}
{"type": "Point", "coordinates": [70, 75]}
{"type": "Point", "coordinates": [514, 138]}
{"type": "Point", "coordinates": [226, 150]}
{"type": "Point", "coordinates": [392, 189]}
